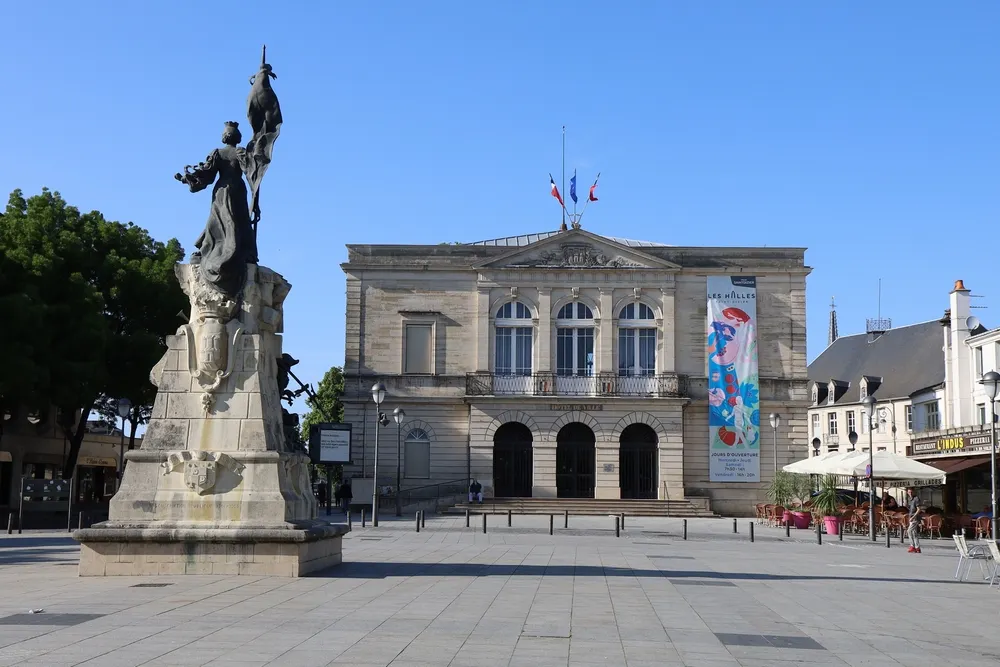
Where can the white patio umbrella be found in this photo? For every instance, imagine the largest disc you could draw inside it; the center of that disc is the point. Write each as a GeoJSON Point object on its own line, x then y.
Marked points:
{"type": "Point", "coordinates": [889, 469]}
{"type": "Point", "coordinates": [818, 465]}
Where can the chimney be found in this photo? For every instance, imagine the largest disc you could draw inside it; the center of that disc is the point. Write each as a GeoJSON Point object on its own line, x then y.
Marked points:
{"type": "Point", "coordinates": [959, 382]}
{"type": "Point", "coordinates": [834, 334]}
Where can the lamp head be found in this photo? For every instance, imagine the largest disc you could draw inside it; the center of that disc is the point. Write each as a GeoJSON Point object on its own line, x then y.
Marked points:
{"type": "Point", "coordinates": [124, 407]}
{"type": "Point", "coordinates": [378, 393]}
{"type": "Point", "coordinates": [775, 419]}
{"type": "Point", "coordinates": [991, 383]}
{"type": "Point", "coordinates": [398, 415]}
{"type": "Point", "coordinates": [853, 438]}
{"type": "Point", "coordinates": [816, 444]}
{"type": "Point", "coordinates": [869, 401]}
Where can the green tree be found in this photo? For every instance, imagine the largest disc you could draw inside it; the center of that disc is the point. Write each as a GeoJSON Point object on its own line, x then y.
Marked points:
{"type": "Point", "coordinates": [99, 298]}
{"type": "Point", "coordinates": [329, 405]}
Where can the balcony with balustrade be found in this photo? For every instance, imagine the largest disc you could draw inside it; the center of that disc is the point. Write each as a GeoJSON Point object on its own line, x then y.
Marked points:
{"type": "Point", "coordinates": [663, 385]}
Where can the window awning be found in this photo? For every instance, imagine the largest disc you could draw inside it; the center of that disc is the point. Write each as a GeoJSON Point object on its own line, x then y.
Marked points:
{"type": "Point", "coordinates": [958, 463]}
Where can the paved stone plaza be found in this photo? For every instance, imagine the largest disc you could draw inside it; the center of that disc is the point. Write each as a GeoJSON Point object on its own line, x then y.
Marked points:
{"type": "Point", "coordinates": [515, 597]}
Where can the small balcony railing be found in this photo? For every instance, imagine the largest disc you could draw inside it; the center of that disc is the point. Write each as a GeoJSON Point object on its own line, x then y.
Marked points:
{"type": "Point", "coordinates": [664, 385]}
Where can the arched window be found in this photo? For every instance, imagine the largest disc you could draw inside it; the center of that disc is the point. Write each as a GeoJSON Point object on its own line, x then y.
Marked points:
{"type": "Point", "coordinates": [417, 455]}
{"type": "Point", "coordinates": [513, 340]}
{"type": "Point", "coordinates": [636, 341]}
{"type": "Point", "coordinates": [575, 340]}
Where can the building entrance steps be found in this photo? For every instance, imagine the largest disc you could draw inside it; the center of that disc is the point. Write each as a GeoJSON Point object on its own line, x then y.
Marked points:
{"type": "Point", "coordinates": [697, 507]}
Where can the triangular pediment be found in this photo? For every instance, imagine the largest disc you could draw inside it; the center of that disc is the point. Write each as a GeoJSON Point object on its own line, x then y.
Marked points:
{"type": "Point", "coordinates": [577, 249]}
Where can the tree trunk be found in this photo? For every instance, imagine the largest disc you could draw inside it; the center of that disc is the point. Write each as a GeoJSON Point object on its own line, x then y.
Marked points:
{"type": "Point", "coordinates": [75, 438]}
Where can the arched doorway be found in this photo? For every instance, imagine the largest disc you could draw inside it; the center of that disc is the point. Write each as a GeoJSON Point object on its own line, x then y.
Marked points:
{"type": "Point", "coordinates": [637, 462]}
{"type": "Point", "coordinates": [575, 458]}
{"type": "Point", "coordinates": [512, 461]}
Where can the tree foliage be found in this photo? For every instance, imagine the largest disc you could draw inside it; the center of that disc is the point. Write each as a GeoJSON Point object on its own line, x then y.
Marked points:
{"type": "Point", "coordinates": [329, 406]}
{"type": "Point", "coordinates": [91, 301]}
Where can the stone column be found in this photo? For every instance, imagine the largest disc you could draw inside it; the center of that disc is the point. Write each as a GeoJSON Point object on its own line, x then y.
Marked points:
{"type": "Point", "coordinates": [602, 356]}
{"type": "Point", "coordinates": [668, 332]}
{"type": "Point", "coordinates": [483, 330]}
{"type": "Point", "coordinates": [543, 346]}
{"type": "Point", "coordinates": [543, 474]}
{"type": "Point", "coordinates": [607, 475]}
{"type": "Point", "coordinates": [670, 455]}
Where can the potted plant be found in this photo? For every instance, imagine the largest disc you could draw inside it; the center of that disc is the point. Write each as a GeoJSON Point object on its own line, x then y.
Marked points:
{"type": "Point", "coordinates": [779, 492]}
{"type": "Point", "coordinates": [800, 493]}
{"type": "Point", "coordinates": [825, 504]}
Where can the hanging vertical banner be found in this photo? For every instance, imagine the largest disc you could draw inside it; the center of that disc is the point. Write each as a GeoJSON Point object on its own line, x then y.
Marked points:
{"type": "Point", "coordinates": [733, 381]}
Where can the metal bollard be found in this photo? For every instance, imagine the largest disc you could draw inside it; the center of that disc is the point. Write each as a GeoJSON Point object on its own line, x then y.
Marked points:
{"type": "Point", "coordinates": [467, 517]}
{"type": "Point", "coordinates": [819, 533]}
{"type": "Point", "coordinates": [10, 523]}
{"type": "Point", "coordinates": [362, 517]}
{"type": "Point", "coordinates": [418, 521]}
{"type": "Point", "coordinates": [623, 520]}
{"type": "Point", "coordinates": [350, 519]}
{"type": "Point", "coordinates": [552, 523]}
{"type": "Point", "coordinates": [509, 515]}
{"type": "Point", "coordinates": [685, 529]}
{"type": "Point", "coordinates": [734, 527]}
{"type": "Point", "coordinates": [788, 529]}
{"type": "Point", "coordinates": [751, 531]}
{"type": "Point", "coordinates": [888, 538]}
{"type": "Point", "coordinates": [79, 522]}
{"type": "Point", "coordinates": [566, 519]}
{"type": "Point", "coordinates": [618, 526]}
{"type": "Point", "coordinates": [484, 523]}
{"type": "Point", "coordinates": [423, 518]}
{"type": "Point", "coordinates": [840, 530]}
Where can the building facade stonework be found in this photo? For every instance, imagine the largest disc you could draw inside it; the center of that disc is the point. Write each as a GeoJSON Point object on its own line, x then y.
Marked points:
{"type": "Point", "coordinates": [562, 364]}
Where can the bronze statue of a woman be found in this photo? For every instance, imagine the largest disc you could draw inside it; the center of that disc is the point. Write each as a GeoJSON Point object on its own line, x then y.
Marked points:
{"type": "Point", "coordinates": [229, 241]}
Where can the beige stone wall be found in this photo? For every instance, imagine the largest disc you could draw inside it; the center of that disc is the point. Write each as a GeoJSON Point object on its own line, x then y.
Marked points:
{"type": "Point", "coordinates": [460, 288]}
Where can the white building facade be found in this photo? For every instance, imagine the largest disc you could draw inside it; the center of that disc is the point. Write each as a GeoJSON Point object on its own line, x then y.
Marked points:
{"type": "Point", "coordinates": [562, 364]}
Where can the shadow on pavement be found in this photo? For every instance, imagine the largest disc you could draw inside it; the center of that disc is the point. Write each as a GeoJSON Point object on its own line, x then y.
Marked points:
{"type": "Point", "coordinates": [10, 542]}
{"type": "Point", "coordinates": [371, 570]}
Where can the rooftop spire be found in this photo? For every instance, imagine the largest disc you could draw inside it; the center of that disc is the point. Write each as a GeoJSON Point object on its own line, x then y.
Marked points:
{"type": "Point", "coordinates": [834, 334]}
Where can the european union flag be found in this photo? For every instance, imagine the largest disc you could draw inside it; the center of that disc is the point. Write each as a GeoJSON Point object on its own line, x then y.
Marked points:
{"type": "Point", "coordinates": [572, 187]}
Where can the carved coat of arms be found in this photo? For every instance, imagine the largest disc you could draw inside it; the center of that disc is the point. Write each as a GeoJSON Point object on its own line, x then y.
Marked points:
{"type": "Point", "coordinates": [199, 476]}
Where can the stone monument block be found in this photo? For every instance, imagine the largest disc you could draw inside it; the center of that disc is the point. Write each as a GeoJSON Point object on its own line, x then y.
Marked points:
{"type": "Point", "coordinates": [215, 488]}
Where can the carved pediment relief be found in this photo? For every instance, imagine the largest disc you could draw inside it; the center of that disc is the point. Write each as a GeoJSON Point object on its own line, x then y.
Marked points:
{"type": "Point", "coordinates": [578, 250]}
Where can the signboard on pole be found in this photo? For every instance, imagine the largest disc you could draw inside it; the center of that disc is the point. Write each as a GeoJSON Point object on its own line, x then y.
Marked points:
{"type": "Point", "coordinates": [733, 382]}
{"type": "Point", "coordinates": [330, 443]}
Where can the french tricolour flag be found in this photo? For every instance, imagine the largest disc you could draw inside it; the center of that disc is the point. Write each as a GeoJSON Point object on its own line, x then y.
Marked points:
{"type": "Point", "coordinates": [555, 190]}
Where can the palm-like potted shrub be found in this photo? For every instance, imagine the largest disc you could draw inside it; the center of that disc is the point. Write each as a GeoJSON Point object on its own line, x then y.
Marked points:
{"type": "Point", "coordinates": [779, 492]}
{"type": "Point", "coordinates": [800, 493]}
{"type": "Point", "coordinates": [825, 504]}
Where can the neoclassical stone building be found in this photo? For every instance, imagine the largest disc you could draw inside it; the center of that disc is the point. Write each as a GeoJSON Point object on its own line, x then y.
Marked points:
{"type": "Point", "coordinates": [563, 364]}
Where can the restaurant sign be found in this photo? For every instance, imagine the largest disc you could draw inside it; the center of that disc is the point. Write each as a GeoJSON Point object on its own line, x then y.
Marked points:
{"type": "Point", "coordinates": [954, 444]}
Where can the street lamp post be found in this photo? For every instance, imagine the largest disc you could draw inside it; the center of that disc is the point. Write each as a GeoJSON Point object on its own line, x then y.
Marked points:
{"type": "Point", "coordinates": [775, 423]}
{"type": "Point", "coordinates": [872, 418]}
{"type": "Point", "coordinates": [991, 383]}
{"type": "Point", "coordinates": [378, 395]}
{"type": "Point", "coordinates": [398, 414]}
{"type": "Point", "coordinates": [124, 408]}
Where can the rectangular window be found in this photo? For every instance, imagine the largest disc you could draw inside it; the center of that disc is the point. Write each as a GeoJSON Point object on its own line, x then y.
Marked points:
{"type": "Point", "coordinates": [815, 425]}
{"type": "Point", "coordinates": [933, 416]}
{"type": "Point", "coordinates": [832, 417]}
{"type": "Point", "coordinates": [505, 351]}
{"type": "Point", "coordinates": [647, 352]}
{"type": "Point", "coordinates": [575, 351]}
{"type": "Point", "coordinates": [982, 413]}
{"type": "Point", "coordinates": [978, 354]}
{"type": "Point", "coordinates": [418, 349]}
{"type": "Point", "coordinates": [522, 347]}
{"type": "Point", "coordinates": [626, 351]}
{"type": "Point", "coordinates": [851, 425]}
{"type": "Point", "coordinates": [417, 459]}
{"type": "Point", "coordinates": [909, 417]}
{"type": "Point", "coordinates": [513, 353]}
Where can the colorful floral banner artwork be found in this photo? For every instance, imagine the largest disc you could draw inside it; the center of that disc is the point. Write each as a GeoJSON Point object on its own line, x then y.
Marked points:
{"type": "Point", "coordinates": [733, 380]}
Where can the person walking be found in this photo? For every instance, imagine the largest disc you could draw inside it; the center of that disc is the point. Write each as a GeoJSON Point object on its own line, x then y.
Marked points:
{"type": "Point", "coordinates": [346, 495]}
{"type": "Point", "coordinates": [916, 513]}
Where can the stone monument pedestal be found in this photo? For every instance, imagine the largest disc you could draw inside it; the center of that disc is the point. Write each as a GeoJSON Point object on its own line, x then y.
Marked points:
{"type": "Point", "coordinates": [215, 489]}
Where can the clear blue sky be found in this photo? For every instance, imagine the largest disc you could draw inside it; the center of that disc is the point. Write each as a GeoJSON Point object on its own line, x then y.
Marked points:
{"type": "Point", "coordinates": [867, 132]}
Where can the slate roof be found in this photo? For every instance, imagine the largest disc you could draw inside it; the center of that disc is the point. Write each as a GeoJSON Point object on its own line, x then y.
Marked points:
{"type": "Point", "coordinates": [528, 239]}
{"type": "Point", "coordinates": [908, 359]}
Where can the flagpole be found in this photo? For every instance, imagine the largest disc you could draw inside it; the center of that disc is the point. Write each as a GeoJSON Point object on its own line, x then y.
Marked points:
{"type": "Point", "coordinates": [588, 198]}
{"type": "Point", "coordinates": [564, 172]}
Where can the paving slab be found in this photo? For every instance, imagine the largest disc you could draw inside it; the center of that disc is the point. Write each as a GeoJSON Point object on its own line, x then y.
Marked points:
{"type": "Point", "coordinates": [451, 596]}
